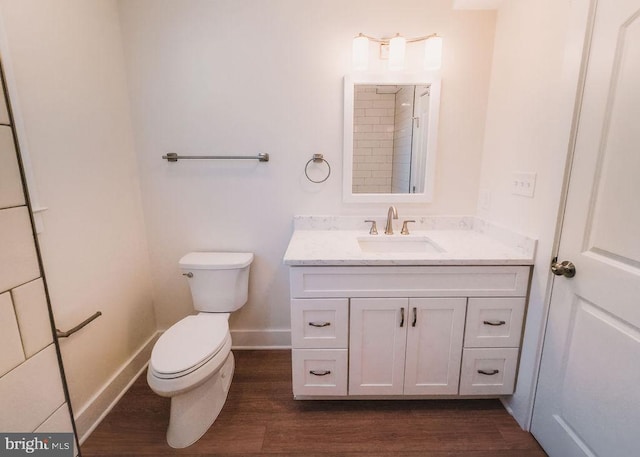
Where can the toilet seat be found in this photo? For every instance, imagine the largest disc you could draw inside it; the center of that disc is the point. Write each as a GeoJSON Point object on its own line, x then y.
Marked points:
{"type": "Point", "coordinates": [189, 344]}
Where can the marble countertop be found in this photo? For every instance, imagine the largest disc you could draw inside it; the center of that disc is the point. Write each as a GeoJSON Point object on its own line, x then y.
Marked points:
{"type": "Point", "coordinates": [458, 240]}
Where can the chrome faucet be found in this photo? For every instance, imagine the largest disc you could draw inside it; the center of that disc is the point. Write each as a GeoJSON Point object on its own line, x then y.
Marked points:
{"type": "Point", "coordinates": [392, 214]}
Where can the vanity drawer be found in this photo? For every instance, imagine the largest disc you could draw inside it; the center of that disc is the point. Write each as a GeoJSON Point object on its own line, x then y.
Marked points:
{"type": "Point", "coordinates": [319, 323]}
{"type": "Point", "coordinates": [319, 371]}
{"type": "Point", "coordinates": [494, 322]}
{"type": "Point", "coordinates": [490, 371]}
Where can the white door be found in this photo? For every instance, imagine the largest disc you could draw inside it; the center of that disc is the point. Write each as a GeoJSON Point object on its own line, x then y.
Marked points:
{"type": "Point", "coordinates": [588, 397]}
{"type": "Point", "coordinates": [434, 345]}
{"type": "Point", "coordinates": [377, 341]}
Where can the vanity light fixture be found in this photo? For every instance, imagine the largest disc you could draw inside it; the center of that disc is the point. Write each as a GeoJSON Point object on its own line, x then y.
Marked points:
{"type": "Point", "coordinates": [397, 47]}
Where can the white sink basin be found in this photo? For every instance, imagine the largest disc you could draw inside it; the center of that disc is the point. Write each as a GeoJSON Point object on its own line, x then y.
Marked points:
{"type": "Point", "coordinates": [399, 243]}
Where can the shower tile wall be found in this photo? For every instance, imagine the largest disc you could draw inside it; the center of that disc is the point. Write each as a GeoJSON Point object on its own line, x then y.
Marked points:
{"type": "Point", "coordinates": [31, 390]}
{"type": "Point", "coordinates": [372, 140]}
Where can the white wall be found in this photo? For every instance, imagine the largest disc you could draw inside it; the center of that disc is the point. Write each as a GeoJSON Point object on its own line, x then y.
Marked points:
{"type": "Point", "coordinates": [242, 77]}
{"type": "Point", "coordinates": [533, 88]}
{"type": "Point", "coordinates": [68, 89]}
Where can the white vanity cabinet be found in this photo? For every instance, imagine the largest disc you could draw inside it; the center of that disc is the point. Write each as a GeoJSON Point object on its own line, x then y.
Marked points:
{"type": "Point", "coordinates": [393, 331]}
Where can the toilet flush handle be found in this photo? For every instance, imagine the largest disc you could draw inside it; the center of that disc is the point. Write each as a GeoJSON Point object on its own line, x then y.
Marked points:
{"type": "Point", "coordinates": [188, 275]}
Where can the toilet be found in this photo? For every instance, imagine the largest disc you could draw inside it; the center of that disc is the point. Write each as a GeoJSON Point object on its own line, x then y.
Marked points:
{"type": "Point", "coordinates": [192, 362]}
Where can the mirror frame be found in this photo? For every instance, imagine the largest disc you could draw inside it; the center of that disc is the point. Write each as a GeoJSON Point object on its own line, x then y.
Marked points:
{"type": "Point", "coordinates": [432, 141]}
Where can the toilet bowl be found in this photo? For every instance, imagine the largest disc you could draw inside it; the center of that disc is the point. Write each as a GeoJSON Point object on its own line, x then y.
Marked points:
{"type": "Point", "coordinates": [192, 361]}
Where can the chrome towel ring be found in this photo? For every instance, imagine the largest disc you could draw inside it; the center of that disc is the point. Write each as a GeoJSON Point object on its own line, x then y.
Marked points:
{"type": "Point", "coordinates": [317, 158]}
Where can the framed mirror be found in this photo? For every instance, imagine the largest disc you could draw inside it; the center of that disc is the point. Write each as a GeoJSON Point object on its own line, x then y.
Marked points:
{"type": "Point", "coordinates": [390, 137]}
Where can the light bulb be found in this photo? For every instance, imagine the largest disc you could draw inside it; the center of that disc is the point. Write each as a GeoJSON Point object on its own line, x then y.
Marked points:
{"type": "Point", "coordinates": [433, 53]}
{"type": "Point", "coordinates": [397, 48]}
{"type": "Point", "coordinates": [360, 52]}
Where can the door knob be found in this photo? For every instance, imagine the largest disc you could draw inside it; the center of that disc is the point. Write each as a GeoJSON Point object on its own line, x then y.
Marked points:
{"type": "Point", "coordinates": [566, 269]}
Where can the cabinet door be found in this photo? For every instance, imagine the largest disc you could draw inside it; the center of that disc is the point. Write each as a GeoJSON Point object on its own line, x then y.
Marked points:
{"type": "Point", "coordinates": [434, 345]}
{"type": "Point", "coordinates": [377, 345]}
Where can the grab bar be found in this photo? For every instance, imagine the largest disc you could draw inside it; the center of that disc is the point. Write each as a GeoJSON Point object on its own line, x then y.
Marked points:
{"type": "Point", "coordinates": [61, 334]}
{"type": "Point", "coordinates": [173, 157]}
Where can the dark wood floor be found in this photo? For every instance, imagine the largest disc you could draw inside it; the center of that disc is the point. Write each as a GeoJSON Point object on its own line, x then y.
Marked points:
{"type": "Point", "coordinates": [261, 418]}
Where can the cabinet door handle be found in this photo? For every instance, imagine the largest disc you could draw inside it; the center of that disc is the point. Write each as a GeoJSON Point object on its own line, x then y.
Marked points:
{"type": "Point", "coordinates": [415, 316]}
{"type": "Point", "coordinates": [401, 317]}
{"type": "Point", "coordinates": [320, 373]}
{"type": "Point", "coordinates": [489, 372]}
{"type": "Point", "coordinates": [319, 324]}
{"type": "Point", "coordinates": [494, 323]}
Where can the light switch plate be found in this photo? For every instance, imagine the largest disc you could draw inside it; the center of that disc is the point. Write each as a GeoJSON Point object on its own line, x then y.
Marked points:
{"type": "Point", "coordinates": [523, 184]}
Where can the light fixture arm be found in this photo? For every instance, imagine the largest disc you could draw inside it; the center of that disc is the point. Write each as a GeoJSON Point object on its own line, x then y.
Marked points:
{"type": "Point", "coordinates": [422, 38]}
{"type": "Point", "coordinates": [385, 40]}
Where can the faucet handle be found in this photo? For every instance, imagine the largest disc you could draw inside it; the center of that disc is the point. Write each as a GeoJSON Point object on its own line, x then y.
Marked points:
{"type": "Point", "coordinates": [405, 228]}
{"type": "Point", "coordinates": [374, 228]}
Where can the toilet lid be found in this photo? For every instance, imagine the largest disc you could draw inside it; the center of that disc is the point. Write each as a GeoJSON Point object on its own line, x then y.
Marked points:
{"type": "Point", "coordinates": [216, 260]}
{"type": "Point", "coordinates": [189, 343]}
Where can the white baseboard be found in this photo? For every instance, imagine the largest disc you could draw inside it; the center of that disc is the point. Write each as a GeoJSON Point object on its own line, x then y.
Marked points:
{"type": "Point", "coordinates": [261, 339]}
{"type": "Point", "coordinates": [106, 398]}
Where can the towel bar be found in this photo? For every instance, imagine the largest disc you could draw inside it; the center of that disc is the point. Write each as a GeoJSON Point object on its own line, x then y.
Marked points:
{"type": "Point", "coordinates": [173, 157]}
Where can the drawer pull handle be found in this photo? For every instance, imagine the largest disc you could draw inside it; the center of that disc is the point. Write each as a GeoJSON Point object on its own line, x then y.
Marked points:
{"type": "Point", "coordinates": [401, 317]}
{"type": "Point", "coordinates": [415, 316]}
{"type": "Point", "coordinates": [319, 324]}
{"type": "Point", "coordinates": [320, 373]}
{"type": "Point", "coordinates": [494, 323]}
{"type": "Point", "coordinates": [489, 372]}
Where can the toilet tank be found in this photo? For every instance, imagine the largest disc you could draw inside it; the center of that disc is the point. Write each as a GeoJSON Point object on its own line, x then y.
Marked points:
{"type": "Point", "coordinates": [219, 281]}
